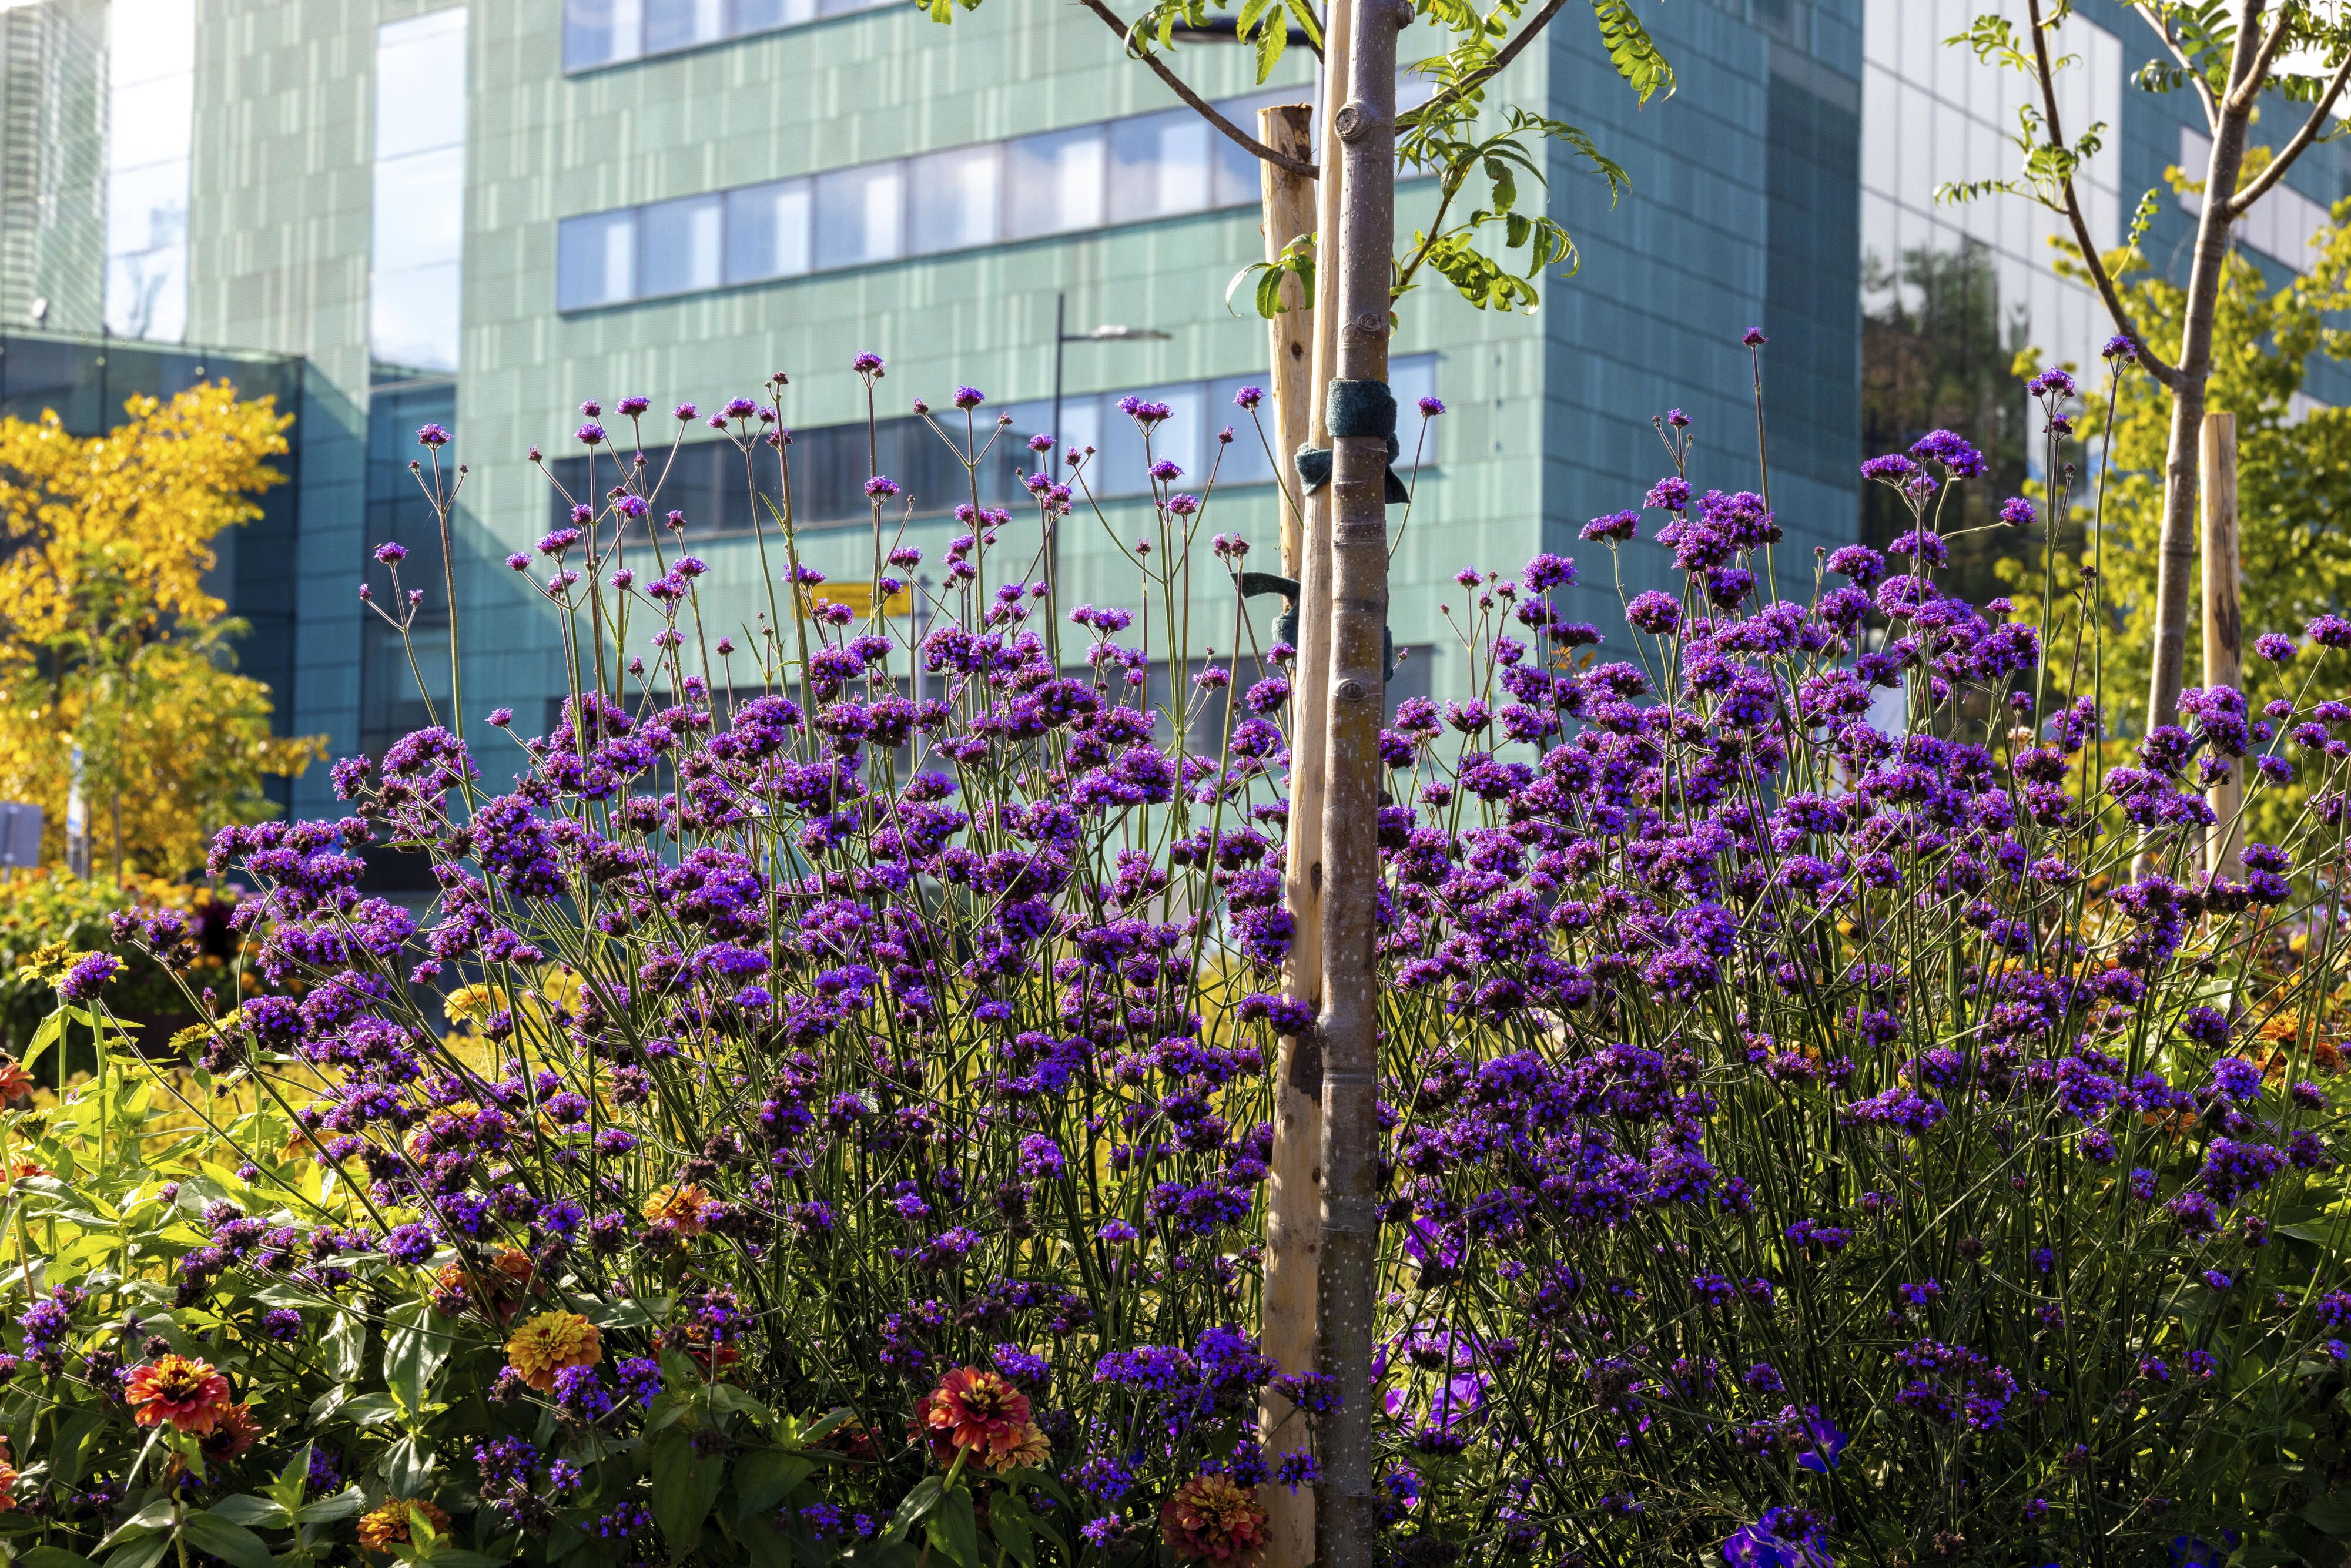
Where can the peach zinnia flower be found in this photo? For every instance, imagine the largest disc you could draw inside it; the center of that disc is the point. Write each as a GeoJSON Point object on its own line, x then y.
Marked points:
{"type": "Point", "coordinates": [1212, 1520]}
{"type": "Point", "coordinates": [188, 1394]}
{"type": "Point", "coordinates": [236, 1432]}
{"type": "Point", "coordinates": [679, 1208]}
{"type": "Point", "coordinates": [15, 1083]}
{"type": "Point", "coordinates": [7, 1480]}
{"type": "Point", "coordinates": [550, 1343]}
{"type": "Point", "coordinates": [388, 1524]}
{"type": "Point", "coordinates": [972, 1408]}
{"type": "Point", "coordinates": [1028, 1447]}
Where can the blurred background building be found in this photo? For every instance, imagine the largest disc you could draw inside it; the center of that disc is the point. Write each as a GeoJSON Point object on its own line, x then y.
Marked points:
{"type": "Point", "coordinates": [399, 211]}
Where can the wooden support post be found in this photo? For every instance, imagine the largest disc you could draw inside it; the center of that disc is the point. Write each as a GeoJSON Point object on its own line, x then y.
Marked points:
{"type": "Point", "coordinates": [1294, 1220]}
{"type": "Point", "coordinates": [2224, 648]}
{"type": "Point", "coordinates": [1360, 253]}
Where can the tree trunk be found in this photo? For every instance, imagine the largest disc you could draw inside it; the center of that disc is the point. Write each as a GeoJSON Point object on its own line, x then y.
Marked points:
{"type": "Point", "coordinates": [1293, 1201]}
{"type": "Point", "coordinates": [2177, 564]}
{"type": "Point", "coordinates": [1358, 555]}
{"type": "Point", "coordinates": [2224, 653]}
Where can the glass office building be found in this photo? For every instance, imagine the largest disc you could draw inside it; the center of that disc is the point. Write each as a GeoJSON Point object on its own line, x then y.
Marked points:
{"type": "Point", "coordinates": [481, 215]}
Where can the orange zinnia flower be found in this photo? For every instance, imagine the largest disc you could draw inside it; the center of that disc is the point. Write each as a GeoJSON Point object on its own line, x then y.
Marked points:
{"type": "Point", "coordinates": [679, 1208]}
{"type": "Point", "coordinates": [7, 1480]}
{"type": "Point", "coordinates": [973, 1408]}
{"type": "Point", "coordinates": [15, 1083]}
{"type": "Point", "coordinates": [235, 1433]}
{"type": "Point", "coordinates": [388, 1524]}
{"type": "Point", "coordinates": [550, 1343]}
{"type": "Point", "coordinates": [1212, 1520]}
{"type": "Point", "coordinates": [187, 1393]}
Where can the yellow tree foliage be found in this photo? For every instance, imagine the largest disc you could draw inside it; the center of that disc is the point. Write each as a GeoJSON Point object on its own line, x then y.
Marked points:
{"type": "Point", "coordinates": [108, 638]}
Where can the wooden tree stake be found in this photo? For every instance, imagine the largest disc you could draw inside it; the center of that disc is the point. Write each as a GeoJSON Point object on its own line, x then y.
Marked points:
{"type": "Point", "coordinates": [1294, 1222]}
{"type": "Point", "coordinates": [2224, 648]}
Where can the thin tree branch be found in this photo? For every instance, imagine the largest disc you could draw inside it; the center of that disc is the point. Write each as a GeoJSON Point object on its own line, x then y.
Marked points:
{"type": "Point", "coordinates": [1206, 112]}
{"type": "Point", "coordinates": [2258, 186]}
{"type": "Point", "coordinates": [2203, 88]}
{"type": "Point", "coordinates": [2158, 367]}
{"type": "Point", "coordinates": [2246, 90]}
{"type": "Point", "coordinates": [1483, 74]}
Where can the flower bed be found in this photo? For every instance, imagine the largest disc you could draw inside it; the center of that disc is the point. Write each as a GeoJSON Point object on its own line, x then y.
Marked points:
{"type": "Point", "coordinates": [826, 1119]}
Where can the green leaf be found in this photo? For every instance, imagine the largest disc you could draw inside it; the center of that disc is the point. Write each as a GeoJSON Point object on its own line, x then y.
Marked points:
{"type": "Point", "coordinates": [52, 1027]}
{"type": "Point", "coordinates": [144, 1552]}
{"type": "Point", "coordinates": [2331, 1514]}
{"type": "Point", "coordinates": [727, 1397]}
{"type": "Point", "coordinates": [73, 1433]}
{"type": "Point", "coordinates": [686, 1485]}
{"type": "Point", "coordinates": [913, 1507]}
{"type": "Point", "coordinates": [346, 1346]}
{"type": "Point", "coordinates": [51, 1557]}
{"type": "Point", "coordinates": [414, 1346]}
{"type": "Point", "coordinates": [326, 1509]}
{"type": "Point", "coordinates": [953, 1531]}
{"type": "Point", "coordinates": [450, 1557]}
{"type": "Point", "coordinates": [230, 1541]}
{"type": "Point", "coordinates": [155, 1516]}
{"type": "Point", "coordinates": [1631, 51]}
{"type": "Point", "coordinates": [247, 1509]}
{"type": "Point", "coordinates": [1008, 1521]}
{"type": "Point", "coordinates": [764, 1480]}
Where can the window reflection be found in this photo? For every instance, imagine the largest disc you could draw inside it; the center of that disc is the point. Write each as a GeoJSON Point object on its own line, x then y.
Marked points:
{"type": "Point", "coordinates": [1053, 182]}
{"type": "Point", "coordinates": [678, 246]}
{"type": "Point", "coordinates": [415, 280]}
{"type": "Point", "coordinates": [1152, 166]}
{"type": "Point", "coordinates": [768, 231]}
{"type": "Point", "coordinates": [151, 129]}
{"type": "Point", "coordinates": [857, 214]}
{"type": "Point", "coordinates": [682, 23]}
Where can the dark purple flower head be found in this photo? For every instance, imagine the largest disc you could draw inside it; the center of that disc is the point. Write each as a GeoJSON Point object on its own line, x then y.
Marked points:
{"type": "Point", "coordinates": [1671, 494]}
{"type": "Point", "coordinates": [1754, 337]}
{"type": "Point", "coordinates": [1677, 419]}
{"type": "Point", "coordinates": [1248, 397]}
{"type": "Point", "coordinates": [969, 398]}
{"type": "Point", "coordinates": [2275, 646]}
{"type": "Point", "coordinates": [89, 977]}
{"type": "Point", "coordinates": [2122, 349]}
{"type": "Point", "coordinates": [2017, 513]}
{"type": "Point", "coordinates": [867, 364]}
{"type": "Point", "coordinates": [1430, 408]}
{"type": "Point", "coordinates": [630, 407]}
{"type": "Point", "coordinates": [432, 435]}
{"type": "Point", "coordinates": [683, 413]}
{"type": "Point", "coordinates": [1614, 529]}
{"type": "Point", "coordinates": [880, 488]}
{"type": "Point", "coordinates": [590, 434]}
{"type": "Point", "coordinates": [1891, 468]}
{"type": "Point", "coordinates": [392, 554]}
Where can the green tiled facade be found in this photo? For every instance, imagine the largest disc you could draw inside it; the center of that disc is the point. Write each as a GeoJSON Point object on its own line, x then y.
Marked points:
{"type": "Point", "coordinates": [1548, 421]}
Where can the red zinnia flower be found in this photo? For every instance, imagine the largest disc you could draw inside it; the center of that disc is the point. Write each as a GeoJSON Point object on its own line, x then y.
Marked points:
{"type": "Point", "coordinates": [187, 1393]}
{"type": "Point", "coordinates": [1212, 1520]}
{"type": "Point", "coordinates": [973, 1408]}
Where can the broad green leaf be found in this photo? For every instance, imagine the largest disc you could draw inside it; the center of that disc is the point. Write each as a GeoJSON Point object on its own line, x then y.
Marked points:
{"type": "Point", "coordinates": [345, 1342]}
{"type": "Point", "coordinates": [953, 1531]}
{"type": "Point", "coordinates": [326, 1509]}
{"type": "Point", "coordinates": [414, 1346]}
{"type": "Point", "coordinates": [686, 1485]}
{"type": "Point", "coordinates": [155, 1516]}
{"type": "Point", "coordinates": [51, 1557]}
{"type": "Point", "coordinates": [913, 1507]}
{"type": "Point", "coordinates": [764, 1480]}
{"type": "Point", "coordinates": [248, 1510]}
{"type": "Point", "coordinates": [230, 1541]}
{"type": "Point", "coordinates": [144, 1552]}
{"type": "Point", "coordinates": [46, 1036]}
{"type": "Point", "coordinates": [2331, 1514]}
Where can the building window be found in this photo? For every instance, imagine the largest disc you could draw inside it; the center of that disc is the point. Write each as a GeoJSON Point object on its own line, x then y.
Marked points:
{"type": "Point", "coordinates": [720, 494]}
{"type": "Point", "coordinates": [767, 231]}
{"type": "Point", "coordinates": [858, 215]}
{"type": "Point", "coordinates": [595, 260]}
{"type": "Point", "coordinates": [151, 135]}
{"type": "Point", "coordinates": [1063, 181]}
{"type": "Point", "coordinates": [608, 32]}
{"type": "Point", "coordinates": [678, 245]}
{"type": "Point", "coordinates": [415, 280]}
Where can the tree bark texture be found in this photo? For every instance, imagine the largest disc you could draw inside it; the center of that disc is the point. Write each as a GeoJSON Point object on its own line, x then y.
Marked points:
{"type": "Point", "coordinates": [1293, 1223]}
{"type": "Point", "coordinates": [2176, 565]}
{"type": "Point", "coordinates": [2224, 650]}
{"type": "Point", "coordinates": [1346, 1518]}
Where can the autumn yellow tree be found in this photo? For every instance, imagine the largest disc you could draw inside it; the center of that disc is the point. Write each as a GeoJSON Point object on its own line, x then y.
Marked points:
{"type": "Point", "coordinates": [108, 638]}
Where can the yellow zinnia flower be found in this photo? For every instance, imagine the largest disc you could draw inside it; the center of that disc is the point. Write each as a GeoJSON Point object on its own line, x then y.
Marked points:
{"type": "Point", "coordinates": [550, 1343]}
